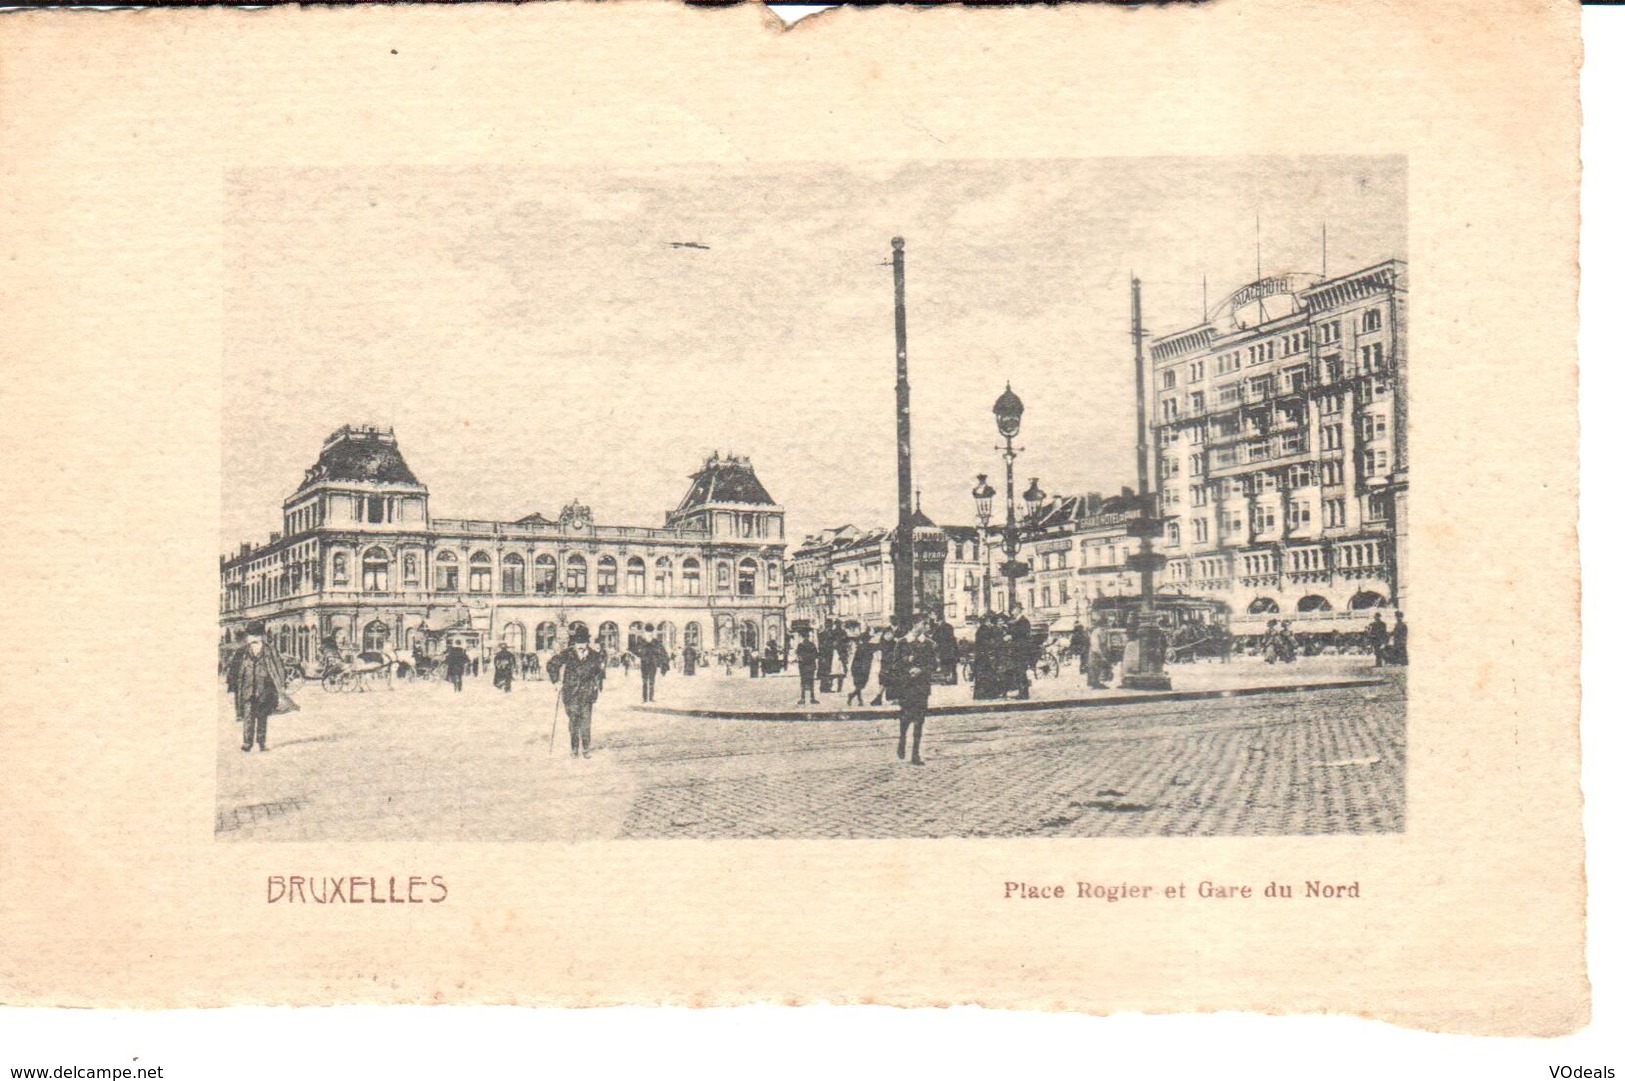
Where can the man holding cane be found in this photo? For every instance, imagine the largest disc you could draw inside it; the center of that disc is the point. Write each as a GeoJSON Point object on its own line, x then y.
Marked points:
{"type": "Point", "coordinates": [582, 670]}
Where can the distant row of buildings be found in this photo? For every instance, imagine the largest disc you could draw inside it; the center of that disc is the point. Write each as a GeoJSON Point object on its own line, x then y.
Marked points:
{"type": "Point", "coordinates": [1280, 470]}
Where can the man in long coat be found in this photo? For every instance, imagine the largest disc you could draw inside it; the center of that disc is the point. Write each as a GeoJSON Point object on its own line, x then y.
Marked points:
{"type": "Point", "coordinates": [1021, 652]}
{"type": "Point", "coordinates": [863, 662]}
{"type": "Point", "coordinates": [456, 664]}
{"type": "Point", "coordinates": [582, 670]}
{"type": "Point", "coordinates": [259, 683]}
{"type": "Point", "coordinates": [502, 666]}
{"type": "Point", "coordinates": [808, 661]}
{"type": "Point", "coordinates": [986, 664]}
{"type": "Point", "coordinates": [652, 661]}
{"type": "Point", "coordinates": [916, 659]}
{"type": "Point", "coordinates": [942, 635]}
{"type": "Point", "coordinates": [1377, 636]}
{"type": "Point", "coordinates": [1079, 645]}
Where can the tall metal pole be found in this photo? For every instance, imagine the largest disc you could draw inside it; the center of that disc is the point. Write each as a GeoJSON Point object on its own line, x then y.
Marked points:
{"type": "Point", "coordinates": [1012, 543]}
{"type": "Point", "coordinates": [1143, 671]}
{"type": "Point", "coordinates": [903, 553]}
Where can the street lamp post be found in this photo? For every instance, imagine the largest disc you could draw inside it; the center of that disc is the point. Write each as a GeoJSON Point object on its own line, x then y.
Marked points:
{"type": "Point", "coordinates": [1007, 412]}
{"type": "Point", "coordinates": [983, 493]}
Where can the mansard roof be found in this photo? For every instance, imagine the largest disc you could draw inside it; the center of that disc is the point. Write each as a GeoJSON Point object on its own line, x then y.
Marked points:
{"type": "Point", "coordinates": [725, 479]}
{"type": "Point", "coordinates": [360, 453]}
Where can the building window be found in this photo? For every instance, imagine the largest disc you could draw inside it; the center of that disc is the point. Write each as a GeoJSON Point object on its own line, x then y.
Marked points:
{"type": "Point", "coordinates": [1263, 518]}
{"type": "Point", "coordinates": [341, 569]}
{"type": "Point", "coordinates": [662, 577]}
{"type": "Point", "coordinates": [375, 571]}
{"type": "Point", "coordinates": [575, 574]}
{"type": "Point", "coordinates": [1173, 534]}
{"type": "Point", "coordinates": [479, 573]}
{"type": "Point", "coordinates": [1170, 409]}
{"type": "Point", "coordinates": [747, 578]}
{"type": "Point", "coordinates": [1196, 465]}
{"type": "Point", "coordinates": [1371, 358]}
{"type": "Point", "coordinates": [1198, 401]}
{"type": "Point", "coordinates": [375, 509]}
{"type": "Point", "coordinates": [513, 573]}
{"type": "Point", "coordinates": [1298, 513]}
{"type": "Point", "coordinates": [1331, 369]}
{"type": "Point", "coordinates": [445, 572]}
{"type": "Point", "coordinates": [1372, 320]}
{"type": "Point", "coordinates": [547, 575]}
{"type": "Point", "coordinates": [547, 637]}
{"type": "Point", "coordinates": [1376, 461]}
{"type": "Point", "coordinates": [1331, 437]}
{"type": "Point", "coordinates": [1198, 495]}
{"type": "Point", "coordinates": [1197, 371]}
{"type": "Point", "coordinates": [1230, 395]}
{"type": "Point", "coordinates": [1373, 426]}
{"type": "Point", "coordinates": [608, 575]}
{"type": "Point", "coordinates": [1200, 526]}
{"type": "Point", "coordinates": [1300, 476]}
{"type": "Point", "coordinates": [1330, 332]}
{"type": "Point", "coordinates": [1168, 379]}
{"type": "Point", "coordinates": [637, 579]}
{"type": "Point", "coordinates": [691, 578]}
{"type": "Point", "coordinates": [1333, 512]}
{"type": "Point", "coordinates": [1331, 472]}
{"type": "Point", "coordinates": [1376, 509]}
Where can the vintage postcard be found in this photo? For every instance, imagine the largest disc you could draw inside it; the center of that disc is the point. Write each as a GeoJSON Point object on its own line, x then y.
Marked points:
{"type": "Point", "coordinates": [1090, 531]}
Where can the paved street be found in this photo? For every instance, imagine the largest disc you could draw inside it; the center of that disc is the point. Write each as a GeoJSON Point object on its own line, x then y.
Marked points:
{"type": "Point", "coordinates": [422, 763]}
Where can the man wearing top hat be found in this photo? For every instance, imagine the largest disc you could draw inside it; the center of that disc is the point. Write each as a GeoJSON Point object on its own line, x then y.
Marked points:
{"type": "Point", "coordinates": [258, 681]}
{"type": "Point", "coordinates": [582, 670]}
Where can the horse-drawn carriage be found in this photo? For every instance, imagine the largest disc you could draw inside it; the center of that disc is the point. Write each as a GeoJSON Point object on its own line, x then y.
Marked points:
{"type": "Point", "coordinates": [1192, 627]}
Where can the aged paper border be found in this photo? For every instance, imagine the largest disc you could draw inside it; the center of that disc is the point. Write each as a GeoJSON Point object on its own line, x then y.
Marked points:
{"type": "Point", "coordinates": [117, 895]}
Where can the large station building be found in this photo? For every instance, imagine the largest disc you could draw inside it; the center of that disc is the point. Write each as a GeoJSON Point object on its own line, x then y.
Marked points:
{"type": "Point", "coordinates": [362, 562]}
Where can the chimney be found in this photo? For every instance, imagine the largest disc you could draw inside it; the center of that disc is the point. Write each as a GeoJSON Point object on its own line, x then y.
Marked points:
{"type": "Point", "coordinates": [275, 537]}
{"type": "Point", "coordinates": [244, 549]}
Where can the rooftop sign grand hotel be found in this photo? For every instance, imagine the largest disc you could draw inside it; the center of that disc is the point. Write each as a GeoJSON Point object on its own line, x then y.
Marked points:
{"type": "Point", "coordinates": [360, 560]}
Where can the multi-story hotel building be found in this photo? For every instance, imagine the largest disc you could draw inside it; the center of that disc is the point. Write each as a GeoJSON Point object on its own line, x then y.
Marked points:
{"type": "Point", "coordinates": [360, 561]}
{"type": "Point", "coordinates": [1279, 436]}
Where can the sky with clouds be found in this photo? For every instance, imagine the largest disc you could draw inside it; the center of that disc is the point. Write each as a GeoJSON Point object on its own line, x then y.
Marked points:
{"type": "Point", "coordinates": [534, 337]}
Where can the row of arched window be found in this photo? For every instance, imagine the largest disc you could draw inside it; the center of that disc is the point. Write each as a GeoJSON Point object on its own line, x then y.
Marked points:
{"type": "Point", "coordinates": [543, 576]}
{"type": "Point", "coordinates": [548, 636]}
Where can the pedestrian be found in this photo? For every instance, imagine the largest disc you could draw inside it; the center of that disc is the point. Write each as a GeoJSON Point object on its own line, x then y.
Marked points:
{"type": "Point", "coordinates": [863, 661]}
{"type": "Point", "coordinates": [691, 658]}
{"type": "Point", "coordinates": [456, 665]}
{"type": "Point", "coordinates": [1400, 650]}
{"type": "Point", "coordinates": [984, 658]}
{"type": "Point", "coordinates": [1376, 637]}
{"type": "Point", "coordinates": [652, 661]}
{"type": "Point", "coordinates": [947, 651]}
{"type": "Point", "coordinates": [885, 653]}
{"type": "Point", "coordinates": [502, 669]}
{"type": "Point", "coordinates": [1021, 652]}
{"type": "Point", "coordinates": [1079, 645]}
{"type": "Point", "coordinates": [582, 670]}
{"type": "Point", "coordinates": [1272, 642]}
{"type": "Point", "coordinates": [916, 658]}
{"type": "Point", "coordinates": [808, 661]}
{"type": "Point", "coordinates": [1100, 663]}
{"type": "Point", "coordinates": [826, 654]}
{"type": "Point", "coordinates": [258, 681]}
{"type": "Point", "coordinates": [753, 663]}
{"type": "Point", "coordinates": [1288, 644]}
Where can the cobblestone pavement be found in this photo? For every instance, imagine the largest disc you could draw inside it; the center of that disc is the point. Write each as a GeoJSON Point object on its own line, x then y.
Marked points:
{"type": "Point", "coordinates": [422, 763]}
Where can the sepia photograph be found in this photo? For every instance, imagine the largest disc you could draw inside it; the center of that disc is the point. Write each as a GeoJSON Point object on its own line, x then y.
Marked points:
{"type": "Point", "coordinates": [1056, 498]}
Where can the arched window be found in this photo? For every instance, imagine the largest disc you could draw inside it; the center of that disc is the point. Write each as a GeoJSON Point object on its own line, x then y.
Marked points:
{"type": "Point", "coordinates": [1367, 599]}
{"type": "Point", "coordinates": [547, 637]}
{"type": "Point", "coordinates": [662, 577]}
{"type": "Point", "coordinates": [747, 578]}
{"type": "Point", "coordinates": [691, 578]}
{"type": "Point", "coordinates": [547, 574]}
{"type": "Point", "coordinates": [691, 633]}
{"type": "Point", "coordinates": [513, 573]}
{"type": "Point", "coordinates": [1173, 534]}
{"type": "Point", "coordinates": [341, 568]}
{"type": "Point", "coordinates": [724, 576]}
{"type": "Point", "coordinates": [608, 574]}
{"type": "Point", "coordinates": [514, 635]}
{"type": "Point", "coordinates": [375, 570]}
{"type": "Point", "coordinates": [375, 636]}
{"type": "Point", "coordinates": [750, 636]}
{"type": "Point", "coordinates": [609, 638]}
{"type": "Point", "coordinates": [1263, 606]}
{"type": "Point", "coordinates": [284, 640]}
{"type": "Point", "coordinates": [575, 574]}
{"type": "Point", "coordinates": [479, 573]}
{"type": "Point", "coordinates": [445, 572]}
{"type": "Point", "coordinates": [668, 635]}
{"type": "Point", "coordinates": [636, 576]}
{"type": "Point", "coordinates": [1313, 603]}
